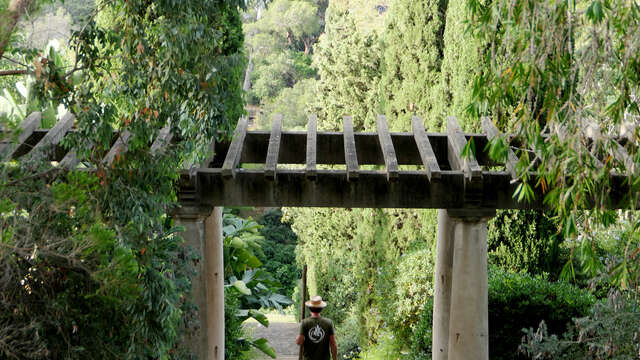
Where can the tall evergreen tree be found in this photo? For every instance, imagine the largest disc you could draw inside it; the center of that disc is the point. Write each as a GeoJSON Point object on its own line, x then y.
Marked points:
{"type": "Point", "coordinates": [462, 62]}
{"type": "Point", "coordinates": [348, 64]}
{"type": "Point", "coordinates": [413, 54]}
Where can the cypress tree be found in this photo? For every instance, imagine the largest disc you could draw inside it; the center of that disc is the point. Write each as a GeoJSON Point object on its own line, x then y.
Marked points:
{"type": "Point", "coordinates": [463, 60]}
{"type": "Point", "coordinates": [348, 63]}
{"type": "Point", "coordinates": [413, 43]}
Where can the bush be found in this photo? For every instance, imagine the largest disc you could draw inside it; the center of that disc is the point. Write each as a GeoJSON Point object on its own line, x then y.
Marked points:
{"type": "Point", "coordinates": [525, 241]}
{"type": "Point", "coordinates": [516, 302]}
{"type": "Point", "coordinates": [347, 337]}
{"type": "Point", "coordinates": [519, 301]}
{"type": "Point", "coordinates": [609, 332]}
{"type": "Point", "coordinates": [235, 346]}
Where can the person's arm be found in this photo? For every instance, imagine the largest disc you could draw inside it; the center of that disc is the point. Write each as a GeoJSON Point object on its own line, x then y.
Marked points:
{"type": "Point", "coordinates": [300, 339]}
{"type": "Point", "coordinates": [334, 347]}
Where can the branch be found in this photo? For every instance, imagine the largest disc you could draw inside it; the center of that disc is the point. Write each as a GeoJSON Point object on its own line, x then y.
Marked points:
{"type": "Point", "coordinates": [12, 72]}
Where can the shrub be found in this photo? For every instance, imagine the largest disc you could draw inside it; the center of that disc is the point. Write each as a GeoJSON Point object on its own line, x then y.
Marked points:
{"type": "Point", "coordinates": [235, 346]}
{"type": "Point", "coordinates": [516, 302]}
{"type": "Point", "coordinates": [519, 301]}
{"type": "Point", "coordinates": [525, 241]}
{"type": "Point", "coordinates": [609, 332]}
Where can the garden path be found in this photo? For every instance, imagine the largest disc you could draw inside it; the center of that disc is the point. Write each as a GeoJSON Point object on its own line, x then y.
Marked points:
{"type": "Point", "coordinates": [281, 336]}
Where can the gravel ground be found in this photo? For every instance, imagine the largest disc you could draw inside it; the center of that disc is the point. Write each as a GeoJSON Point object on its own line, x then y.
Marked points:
{"type": "Point", "coordinates": [281, 336]}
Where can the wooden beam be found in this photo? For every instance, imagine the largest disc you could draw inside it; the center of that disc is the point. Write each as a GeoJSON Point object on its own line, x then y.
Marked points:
{"type": "Point", "coordinates": [492, 132]}
{"type": "Point", "coordinates": [457, 142]}
{"type": "Point", "coordinates": [235, 149]}
{"type": "Point", "coordinates": [350, 156]}
{"type": "Point", "coordinates": [427, 155]}
{"type": "Point", "coordinates": [622, 155]}
{"type": "Point", "coordinates": [312, 139]}
{"type": "Point", "coordinates": [119, 147]}
{"type": "Point", "coordinates": [48, 144]}
{"type": "Point", "coordinates": [372, 190]}
{"type": "Point", "coordinates": [9, 148]}
{"type": "Point", "coordinates": [162, 140]}
{"type": "Point", "coordinates": [386, 145]}
{"type": "Point", "coordinates": [70, 160]}
{"type": "Point", "coordinates": [271, 164]}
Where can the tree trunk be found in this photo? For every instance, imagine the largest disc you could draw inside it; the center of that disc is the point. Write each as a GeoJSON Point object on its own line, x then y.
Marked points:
{"type": "Point", "coordinates": [9, 20]}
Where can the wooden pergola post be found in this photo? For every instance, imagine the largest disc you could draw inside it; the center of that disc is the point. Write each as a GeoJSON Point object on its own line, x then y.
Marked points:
{"type": "Point", "coordinates": [204, 234]}
{"type": "Point", "coordinates": [460, 304]}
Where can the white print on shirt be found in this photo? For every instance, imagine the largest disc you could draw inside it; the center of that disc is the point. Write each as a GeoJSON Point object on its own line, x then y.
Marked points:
{"type": "Point", "coordinates": [316, 334]}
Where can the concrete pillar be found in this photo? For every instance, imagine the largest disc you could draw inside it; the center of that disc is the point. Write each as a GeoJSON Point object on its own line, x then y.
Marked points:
{"type": "Point", "coordinates": [214, 260]}
{"type": "Point", "coordinates": [194, 236]}
{"type": "Point", "coordinates": [469, 313]}
{"type": "Point", "coordinates": [460, 304]}
{"type": "Point", "coordinates": [442, 287]}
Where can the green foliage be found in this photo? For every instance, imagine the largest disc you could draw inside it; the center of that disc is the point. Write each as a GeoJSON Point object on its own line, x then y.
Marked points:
{"type": "Point", "coordinates": [347, 335]}
{"type": "Point", "coordinates": [235, 345]}
{"type": "Point", "coordinates": [109, 277]}
{"type": "Point", "coordinates": [609, 332]}
{"type": "Point", "coordinates": [525, 241]}
{"type": "Point", "coordinates": [388, 347]}
{"type": "Point", "coordinates": [566, 69]}
{"type": "Point", "coordinates": [70, 279]}
{"type": "Point", "coordinates": [247, 284]}
{"type": "Point", "coordinates": [516, 302]}
{"type": "Point", "coordinates": [292, 23]}
{"type": "Point", "coordinates": [377, 264]}
{"type": "Point", "coordinates": [348, 64]}
{"type": "Point", "coordinates": [462, 61]}
{"type": "Point", "coordinates": [413, 47]}
{"type": "Point", "coordinates": [279, 251]}
{"type": "Point", "coordinates": [291, 103]}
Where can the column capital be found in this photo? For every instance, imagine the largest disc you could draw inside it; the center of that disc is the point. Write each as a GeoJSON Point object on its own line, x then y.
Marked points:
{"type": "Point", "coordinates": [471, 214]}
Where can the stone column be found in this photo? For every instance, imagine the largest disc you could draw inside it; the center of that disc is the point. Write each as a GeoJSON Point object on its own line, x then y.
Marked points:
{"type": "Point", "coordinates": [194, 237]}
{"type": "Point", "coordinates": [460, 304]}
{"type": "Point", "coordinates": [442, 287]}
{"type": "Point", "coordinates": [469, 312]}
{"type": "Point", "coordinates": [214, 260]}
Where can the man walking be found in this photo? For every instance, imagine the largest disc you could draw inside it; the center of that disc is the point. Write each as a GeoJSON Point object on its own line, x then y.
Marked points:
{"type": "Point", "coordinates": [317, 334]}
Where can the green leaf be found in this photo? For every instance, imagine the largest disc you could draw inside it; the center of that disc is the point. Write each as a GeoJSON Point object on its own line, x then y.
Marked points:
{"type": "Point", "coordinates": [260, 317]}
{"type": "Point", "coordinates": [242, 287]}
{"type": "Point", "coordinates": [263, 345]}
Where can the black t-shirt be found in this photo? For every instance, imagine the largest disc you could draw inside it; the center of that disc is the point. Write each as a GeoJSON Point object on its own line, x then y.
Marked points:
{"type": "Point", "coordinates": [316, 332]}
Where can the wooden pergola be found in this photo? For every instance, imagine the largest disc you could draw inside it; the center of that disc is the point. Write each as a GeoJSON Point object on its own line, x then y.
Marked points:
{"type": "Point", "coordinates": [342, 169]}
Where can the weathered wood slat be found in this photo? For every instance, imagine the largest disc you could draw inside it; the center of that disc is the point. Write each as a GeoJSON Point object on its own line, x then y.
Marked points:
{"type": "Point", "coordinates": [312, 139]}
{"type": "Point", "coordinates": [163, 139]}
{"type": "Point", "coordinates": [427, 155]}
{"type": "Point", "coordinates": [457, 142]}
{"type": "Point", "coordinates": [386, 145]}
{"type": "Point", "coordinates": [235, 149]}
{"type": "Point", "coordinates": [492, 132]}
{"type": "Point", "coordinates": [592, 132]}
{"type": "Point", "coordinates": [273, 151]}
{"type": "Point", "coordinates": [28, 126]}
{"type": "Point", "coordinates": [119, 147]}
{"type": "Point", "coordinates": [46, 146]}
{"type": "Point", "coordinates": [623, 156]}
{"type": "Point", "coordinates": [350, 156]}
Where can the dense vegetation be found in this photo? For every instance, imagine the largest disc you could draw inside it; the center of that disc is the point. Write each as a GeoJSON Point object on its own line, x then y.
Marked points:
{"type": "Point", "coordinates": [103, 241]}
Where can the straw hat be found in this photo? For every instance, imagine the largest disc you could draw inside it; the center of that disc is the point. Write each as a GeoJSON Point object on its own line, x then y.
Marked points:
{"type": "Point", "coordinates": [316, 302]}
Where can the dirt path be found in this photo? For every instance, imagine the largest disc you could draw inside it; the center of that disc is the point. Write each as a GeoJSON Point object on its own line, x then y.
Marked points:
{"type": "Point", "coordinates": [282, 336]}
